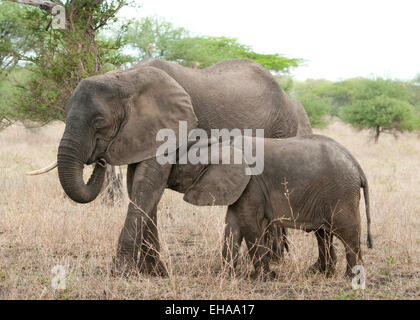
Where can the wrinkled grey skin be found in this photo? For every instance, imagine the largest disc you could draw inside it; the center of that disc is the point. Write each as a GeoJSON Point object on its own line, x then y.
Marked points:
{"type": "Point", "coordinates": [310, 183]}
{"type": "Point", "coordinates": [276, 239]}
{"type": "Point", "coordinates": [114, 118]}
{"type": "Point", "coordinates": [304, 126]}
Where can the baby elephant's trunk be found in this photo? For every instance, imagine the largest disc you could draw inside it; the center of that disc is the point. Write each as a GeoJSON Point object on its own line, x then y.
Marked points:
{"type": "Point", "coordinates": [366, 196]}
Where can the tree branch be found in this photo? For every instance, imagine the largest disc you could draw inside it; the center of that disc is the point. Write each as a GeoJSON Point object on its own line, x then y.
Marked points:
{"type": "Point", "coordinates": [44, 5]}
{"type": "Point", "coordinates": [105, 19]}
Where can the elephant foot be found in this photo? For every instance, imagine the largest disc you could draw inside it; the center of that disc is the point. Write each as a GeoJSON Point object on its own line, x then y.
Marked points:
{"type": "Point", "coordinates": [277, 243]}
{"type": "Point", "coordinates": [315, 268]}
{"type": "Point", "coordinates": [319, 267]}
{"type": "Point", "coordinates": [152, 266]}
{"type": "Point", "coordinates": [276, 256]}
{"type": "Point", "coordinates": [264, 276]}
{"type": "Point", "coordinates": [349, 273]}
{"type": "Point", "coordinates": [228, 271]}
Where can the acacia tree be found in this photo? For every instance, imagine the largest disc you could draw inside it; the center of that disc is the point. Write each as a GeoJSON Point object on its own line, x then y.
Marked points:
{"type": "Point", "coordinates": [58, 59]}
{"type": "Point", "coordinates": [12, 40]}
{"type": "Point", "coordinates": [157, 38]}
{"type": "Point", "coordinates": [382, 105]}
{"type": "Point", "coordinates": [12, 36]}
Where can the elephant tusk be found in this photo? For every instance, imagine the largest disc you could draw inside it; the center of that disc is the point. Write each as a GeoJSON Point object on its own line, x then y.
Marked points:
{"type": "Point", "coordinates": [43, 170]}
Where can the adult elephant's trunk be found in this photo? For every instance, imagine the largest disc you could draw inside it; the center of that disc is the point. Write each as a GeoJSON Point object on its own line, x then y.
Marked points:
{"type": "Point", "coordinates": [70, 172]}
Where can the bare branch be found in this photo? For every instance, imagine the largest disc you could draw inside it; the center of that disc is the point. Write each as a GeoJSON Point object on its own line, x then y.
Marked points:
{"type": "Point", "coordinates": [44, 5]}
{"type": "Point", "coordinates": [105, 19]}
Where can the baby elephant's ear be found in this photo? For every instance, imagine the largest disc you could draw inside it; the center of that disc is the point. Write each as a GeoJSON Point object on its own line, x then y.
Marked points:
{"type": "Point", "coordinates": [219, 184]}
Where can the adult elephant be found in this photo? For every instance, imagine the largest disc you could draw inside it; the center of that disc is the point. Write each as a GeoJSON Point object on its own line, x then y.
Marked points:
{"type": "Point", "coordinates": [114, 118]}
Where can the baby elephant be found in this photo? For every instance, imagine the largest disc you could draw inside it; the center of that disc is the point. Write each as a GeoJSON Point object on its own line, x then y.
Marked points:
{"type": "Point", "coordinates": [309, 182]}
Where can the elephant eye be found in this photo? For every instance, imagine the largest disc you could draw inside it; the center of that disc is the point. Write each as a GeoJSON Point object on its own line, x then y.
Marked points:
{"type": "Point", "coordinates": [99, 123]}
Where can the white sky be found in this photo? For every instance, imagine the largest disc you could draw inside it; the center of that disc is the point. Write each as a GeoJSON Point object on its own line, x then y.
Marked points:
{"type": "Point", "coordinates": [339, 39]}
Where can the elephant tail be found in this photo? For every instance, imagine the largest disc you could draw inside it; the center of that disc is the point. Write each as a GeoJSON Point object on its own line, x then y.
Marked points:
{"type": "Point", "coordinates": [365, 186]}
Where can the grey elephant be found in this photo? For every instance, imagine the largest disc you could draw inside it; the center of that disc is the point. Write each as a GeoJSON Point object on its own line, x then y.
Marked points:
{"type": "Point", "coordinates": [114, 118]}
{"type": "Point", "coordinates": [276, 240]}
{"type": "Point", "coordinates": [310, 183]}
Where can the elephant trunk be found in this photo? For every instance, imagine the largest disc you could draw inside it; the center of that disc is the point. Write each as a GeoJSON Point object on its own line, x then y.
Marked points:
{"type": "Point", "coordinates": [70, 172]}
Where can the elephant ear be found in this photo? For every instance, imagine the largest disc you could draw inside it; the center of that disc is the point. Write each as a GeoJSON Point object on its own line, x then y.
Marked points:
{"type": "Point", "coordinates": [152, 101]}
{"type": "Point", "coordinates": [219, 184]}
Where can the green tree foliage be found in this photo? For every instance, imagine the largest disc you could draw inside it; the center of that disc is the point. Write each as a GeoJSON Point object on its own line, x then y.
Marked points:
{"type": "Point", "coordinates": [58, 59]}
{"type": "Point", "coordinates": [10, 83]}
{"type": "Point", "coordinates": [414, 88]}
{"type": "Point", "coordinates": [348, 99]}
{"type": "Point", "coordinates": [334, 95]}
{"type": "Point", "coordinates": [381, 105]}
{"type": "Point", "coordinates": [13, 34]}
{"type": "Point", "coordinates": [286, 82]}
{"type": "Point", "coordinates": [317, 106]}
{"type": "Point", "coordinates": [338, 94]}
{"type": "Point", "coordinates": [154, 37]}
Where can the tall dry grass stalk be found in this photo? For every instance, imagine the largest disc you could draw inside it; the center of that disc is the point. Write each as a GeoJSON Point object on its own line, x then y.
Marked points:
{"type": "Point", "coordinates": [41, 228]}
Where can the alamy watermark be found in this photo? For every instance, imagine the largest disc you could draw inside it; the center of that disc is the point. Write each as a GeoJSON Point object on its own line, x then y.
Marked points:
{"type": "Point", "coordinates": [59, 17]}
{"type": "Point", "coordinates": [58, 282]}
{"type": "Point", "coordinates": [359, 280]}
{"type": "Point", "coordinates": [223, 146]}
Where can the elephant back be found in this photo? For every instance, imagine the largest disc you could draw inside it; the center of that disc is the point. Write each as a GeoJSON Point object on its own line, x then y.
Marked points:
{"type": "Point", "coordinates": [236, 93]}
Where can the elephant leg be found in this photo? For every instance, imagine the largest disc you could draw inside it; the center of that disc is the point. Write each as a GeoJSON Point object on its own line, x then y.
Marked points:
{"type": "Point", "coordinates": [232, 240]}
{"type": "Point", "coordinates": [259, 253]}
{"type": "Point", "coordinates": [327, 258]}
{"type": "Point", "coordinates": [347, 228]}
{"type": "Point", "coordinates": [276, 240]}
{"type": "Point", "coordinates": [254, 233]}
{"type": "Point", "coordinates": [351, 240]}
{"type": "Point", "coordinates": [249, 214]}
{"type": "Point", "coordinates": [285, 240]}
{"type": "Point", "coordinates": [149, 261]}
{"type": "Point", "coordinates": [146, 182]}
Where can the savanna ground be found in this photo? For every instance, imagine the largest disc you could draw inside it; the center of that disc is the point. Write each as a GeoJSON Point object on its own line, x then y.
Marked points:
{"type": "Point", "coordinates": [41, 228]}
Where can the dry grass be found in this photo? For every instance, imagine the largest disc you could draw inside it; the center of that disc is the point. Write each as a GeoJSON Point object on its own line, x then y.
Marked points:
{"type": "Point", "coordinates": [40, 228]}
